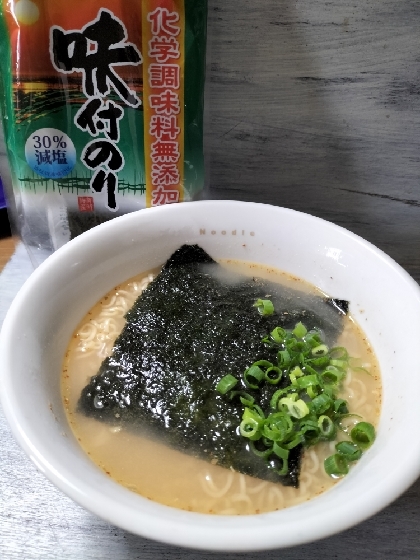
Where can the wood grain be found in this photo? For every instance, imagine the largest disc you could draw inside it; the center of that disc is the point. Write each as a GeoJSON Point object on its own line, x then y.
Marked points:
{"type": "Point", "coordinates": [7, 248]}
{"type": "Point", "coordinates": [314, 105]}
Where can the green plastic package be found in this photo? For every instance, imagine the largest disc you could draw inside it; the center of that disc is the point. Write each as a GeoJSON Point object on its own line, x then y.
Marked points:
{"type": "Point", "coordinates": [102, 105]}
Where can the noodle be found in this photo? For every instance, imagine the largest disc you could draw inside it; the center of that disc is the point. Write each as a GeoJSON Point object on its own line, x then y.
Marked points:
{"type": "Point", "coordinates": [183, 481]}
{"type": "Point", "coordinates": [210, 488]}
{"type": "Point", "coordinates": [311, 455]}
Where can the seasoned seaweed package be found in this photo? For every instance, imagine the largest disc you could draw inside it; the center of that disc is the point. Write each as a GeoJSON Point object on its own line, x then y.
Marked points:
{"type": "Point", "coordinates": [192, 325]}
{"type": "Point", "coordinates": [102, 105]}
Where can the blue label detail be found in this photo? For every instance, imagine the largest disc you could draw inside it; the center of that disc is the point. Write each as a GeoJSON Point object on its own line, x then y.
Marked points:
{"type": "Point", "coordinates": [50, 153]}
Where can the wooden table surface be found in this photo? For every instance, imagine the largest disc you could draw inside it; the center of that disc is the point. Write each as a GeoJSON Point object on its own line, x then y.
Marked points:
{"type": "Point", "coordinates": [7, 247]}
{"type": "Point", "coordinates": [314, 105]}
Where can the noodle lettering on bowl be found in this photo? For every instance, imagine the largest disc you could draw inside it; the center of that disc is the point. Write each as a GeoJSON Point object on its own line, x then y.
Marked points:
{"type": "Point", "coordinates": [123, 261]}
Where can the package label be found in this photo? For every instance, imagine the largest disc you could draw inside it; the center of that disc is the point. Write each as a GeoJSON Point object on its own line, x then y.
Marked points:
{"type": "Point", "coordinates": [102, 103]}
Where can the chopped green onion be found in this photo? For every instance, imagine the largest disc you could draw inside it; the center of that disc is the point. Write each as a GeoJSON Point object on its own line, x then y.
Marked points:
{"type": "Point", "coordinates": [253, 376]}
{"type": "Point", "coordinates": [264, 454]}
{"type": "Point", "coordinates": [305, 412]}
{"type": "Point", "coordinates": [363, 434]}
{"type": "Point", "coordinates": [259, 411]}
{"type": "Point", "coordinates": [340, 406]}
{"type": "Point", "coordinates": [278, 335]}
{"type": "Point", "coordinates": [321, 403]}
{"type": "Point", "coordinates": [332, 375]}
{"type": "Point", "coordinates": [362, 370]}
{"type": "Point", "coordinates": [309, 369]}
{"type": "Point", "coordinates": [297, 409]}
{"type": "Point", "coordinates": [284, 358]}
{"type": "Point", "coordinates": [263, 363]}
{"type": "Point", "coordinates": [349, 450]}
{"type": "Point", "coordinates": [336, 465]}
{"type": "Point", "coordinates": [282, 454]}
{"type": "Point", "coordinates": [341, 364]}
{"type": "Point", "coordinates": [296, 372]}
{"type": "Point", "coordinates": [295, 442]}
{"type": "Point", "coordinates": [312, 391]}
{"type": "Point", "coordinates": [321, 362]}
{"type": "Point", "coordinates": [320, 350]}
{"type": "Point", "coordinates": [265, 307]}
{"type": "Point", "coordinates": [251, 424]}
{"type": "Point", "coordinates": [250, 429]}
{"type": "Point", "coordinates": [313, 339]}
{"type": "Point", "coordinates": [227, 383]}
{"type": "Point", "coordinates": [277, 426]}
{"type": "Point", "coordinates": [273, 375]}
{"type": "Point", "coordinates": [310, 429]}
{"type": "Point", "coordinates": [267, 442]}
{"type": "Point", "coordinates": [326, 427]}
{"type": "Point", "coordinates": [307, 381]}
{"type": "Point", "coordinates": [339, 353]}
{"type": "Point", "coordinates": [246, 399]}
{"type": "Point", "coordinates": [256, 415]}
{"type": "Point", "coordinates": [276, 396]}
{"type": "Point", "coordinates": [300, 330]}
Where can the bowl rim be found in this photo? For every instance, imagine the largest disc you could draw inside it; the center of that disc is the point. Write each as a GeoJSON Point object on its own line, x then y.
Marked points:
{"type": "Point", "coordinates": [225, 526]}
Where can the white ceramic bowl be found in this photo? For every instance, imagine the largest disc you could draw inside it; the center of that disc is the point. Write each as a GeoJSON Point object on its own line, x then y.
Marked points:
{"type": "Point", "coordinates": [383, 298]}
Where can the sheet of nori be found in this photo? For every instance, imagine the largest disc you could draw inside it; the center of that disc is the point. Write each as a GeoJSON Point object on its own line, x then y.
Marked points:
{"type": "Point", "coordinates": [79, 222]}
{"type": "Point", "coordinates": [186, 331]}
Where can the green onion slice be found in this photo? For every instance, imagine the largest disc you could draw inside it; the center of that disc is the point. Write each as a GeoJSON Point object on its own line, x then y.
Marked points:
{"type": "Point", "coordinates": [257, 409]}
{"type": "Point", "coordinates": [282, 454]}
{"type": "Point", "coordinates": [277, 426]}
{"type": "Point", "coordinates": [263, 363]}
{"type": "Point", "coordinates": [332, 375]}
{"type": "Point", "coordinates": [251, 424]}
{"type": "Point", "coordinates": [310, 429]}
{"type": "Point", "coordinates": [295, 442]}
{"type": "Point", "coordinates": [321, 403]}
{"type": "Point", "coordinates": [284, 358]}
{"type": "Point", "coordinates": [256, 415]}
{"type": "Point", "coordinates": [264, 306]}
{"type": "Point", "coordinates": [294, 374]}
{"type": "Point", "coordinates": [349, 450]}
{"type": "Point", "coordinates": [312, 391]}
{"type": "Point", "coordinates": [336, 465]}
{"type": "Point", "coordinates": [253, 376]}
{"type": "Point", "coordinates": [313, 338]}
{"type": "Point", "coordinates": [362, 370]}
{"type": "Point", "coordinates": [339, 353]}
{"type": "Point", "coordinates": [274, 402]}
{"type": "Point", "coordinates": [249, 428]}
{"type": "Point", "coordinates": [296, 408]}
{"type": "Point", "coordinates": [341, 364]}
{"type": "Point", "coordinates": [245, 398]}
{"type": "Point", "coordinates": [300, 330]}
{"type": "Point", "coordinates": [307, 381]}
{"type": "Point", "coordinates": [326, 427]}
{"type": "Point", "coordinates": [264, 453]}
{"type": "Point", "coordinates": [321, 362]}
{"type": "Point", "coordinates": [320, 350]}
{"type": "Point", "coordinates": [227, 383]}
{"type": "Point", "coordinates": [278, 335]}
{"type": "Point", "coordinates": [273, 375]}
{"type": "Point", "coordinates": [363, 434]}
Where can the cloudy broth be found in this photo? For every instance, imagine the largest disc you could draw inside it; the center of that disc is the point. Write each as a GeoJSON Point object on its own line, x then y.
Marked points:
{"type": "Point", "coordinates": [170, 477]}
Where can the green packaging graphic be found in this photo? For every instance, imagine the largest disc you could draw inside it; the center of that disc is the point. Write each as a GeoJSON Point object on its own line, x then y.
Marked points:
{"type": "Point", "coordinates": [102, 106]}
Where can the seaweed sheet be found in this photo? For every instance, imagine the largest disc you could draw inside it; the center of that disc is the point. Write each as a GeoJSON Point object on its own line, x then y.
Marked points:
{"type": "Point", "coordinates": [191, 326]}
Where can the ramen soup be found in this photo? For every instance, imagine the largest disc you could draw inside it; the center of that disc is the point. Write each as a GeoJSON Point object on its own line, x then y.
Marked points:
{"type": "Point", "coordinates": [146, 430]}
